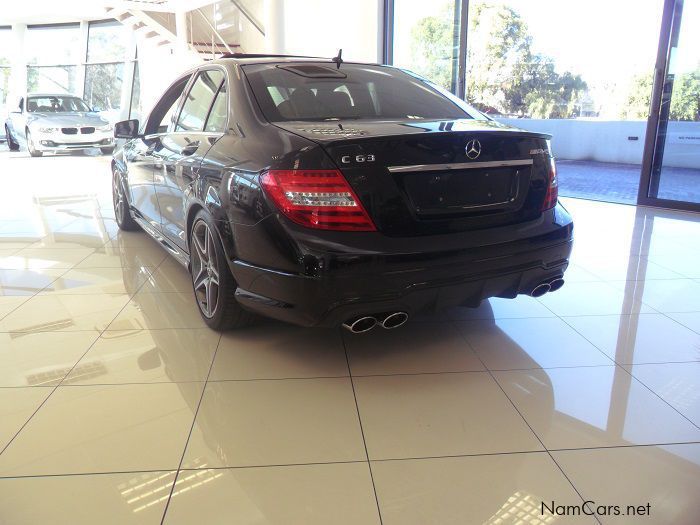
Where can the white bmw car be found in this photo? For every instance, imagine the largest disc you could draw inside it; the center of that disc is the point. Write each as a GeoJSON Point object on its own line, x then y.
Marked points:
{"type": "Point", "coordinates": [57, 123]}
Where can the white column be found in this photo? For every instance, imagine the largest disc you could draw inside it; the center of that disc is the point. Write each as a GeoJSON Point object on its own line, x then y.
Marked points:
{"type": "Point", "coordinates": [274, 26]}
{"type": "Point", "coordinates": [18, 71]}
{"type": "Point", "coordinates": [82, 59]}
{"type": "Point", "coordinates": [181, 32]}
{"type": "Point", "coordinates": [128, 78]}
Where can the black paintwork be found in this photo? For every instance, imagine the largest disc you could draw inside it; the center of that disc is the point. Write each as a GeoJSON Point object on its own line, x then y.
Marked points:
{"type": "Point", "coordinates": [414, 262]}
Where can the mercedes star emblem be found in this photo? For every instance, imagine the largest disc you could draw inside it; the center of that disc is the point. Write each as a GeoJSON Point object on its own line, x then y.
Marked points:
{"type": "Point", "coordinates": [473, 149]}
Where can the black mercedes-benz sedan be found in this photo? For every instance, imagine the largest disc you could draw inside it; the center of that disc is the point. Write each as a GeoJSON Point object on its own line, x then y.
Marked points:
{"type": "Point", "coordinates": [329, 193]}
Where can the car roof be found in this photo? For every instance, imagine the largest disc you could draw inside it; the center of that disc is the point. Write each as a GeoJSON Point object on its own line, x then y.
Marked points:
{"type": "Point", "coordinates": [261, 58]}
{"type": "Point", "coordinates": [52, 95]}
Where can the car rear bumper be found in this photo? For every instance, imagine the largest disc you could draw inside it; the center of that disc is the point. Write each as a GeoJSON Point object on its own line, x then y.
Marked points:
{"type": "Point", "coordinates": [418, 282]}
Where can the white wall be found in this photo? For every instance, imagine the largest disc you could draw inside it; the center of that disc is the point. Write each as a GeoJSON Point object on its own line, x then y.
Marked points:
{"type": "Point", "coordinates": [607, 141]}
{"type": "Point", "coordinates": [321, 27]}
{"type": "Point", "coordinates": [159, 66]}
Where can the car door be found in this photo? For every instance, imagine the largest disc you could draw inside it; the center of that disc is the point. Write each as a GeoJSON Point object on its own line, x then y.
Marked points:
{"type": "Point", "coordinates": [140, 153]}
{"type": "Point", "coordinates": [201, 122]}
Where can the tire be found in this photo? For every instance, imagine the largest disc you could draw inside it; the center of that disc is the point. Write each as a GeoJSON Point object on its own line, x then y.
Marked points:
{"type": "Point", "coordinates": [14, 146]}
{"type": "Point", "coordinates": [213, 285]}
{"type": "Point", "coordinates": [107, 151]}
{"type": "Point", "coordinates": [30, 146]}
{"type": "Point", "coordinates": [121, 204]}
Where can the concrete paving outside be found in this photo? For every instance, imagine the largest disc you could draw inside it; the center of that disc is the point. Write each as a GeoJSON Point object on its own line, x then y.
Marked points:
{"type": "Point", "coordinates": [603, 181]}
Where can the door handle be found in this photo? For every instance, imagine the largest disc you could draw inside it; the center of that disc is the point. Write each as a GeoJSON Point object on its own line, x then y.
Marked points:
{"type": "Point", "coordinates": [191, 148]}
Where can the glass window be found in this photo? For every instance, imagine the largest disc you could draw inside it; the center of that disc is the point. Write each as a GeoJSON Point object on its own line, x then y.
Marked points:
{"type": "Point", "coordinates": [52, 79]}
{"type": "Point", "coordinates": [216, 122]}
{"type": "Point", "coordinates": [135, 109]}
{"type": "Point", "coordinates": [53, 45]}
{"type": "Point", "coordinates": [162, 115]}
{"type": "Point", "coordinates": [199, 100]}
{"type": "Point", "coordinates": [103, 86]}
{"type": "Point", "coordinates": [108, 41]}
{"type": "Point", "coordinates": [527, 67]}
{"type": "Point", "coordinates": [5, 46]}
{"type": "Point", "coordinates": [55, 104]}
{"type": "Point", "coordinates": [319, 92]}
{"type": "Point", "coordinates": [675, 173]}
{"type": "Point", "coordinates": [426, 39]}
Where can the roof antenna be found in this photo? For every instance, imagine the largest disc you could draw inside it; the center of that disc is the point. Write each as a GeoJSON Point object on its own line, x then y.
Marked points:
{"type": "Point", "coordinates": [338, 59]}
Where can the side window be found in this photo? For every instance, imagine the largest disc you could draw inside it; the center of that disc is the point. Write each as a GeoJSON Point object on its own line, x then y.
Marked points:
{"type": "Point", "coordinates": [216, 122]}
{"type": "Point", "coordinates": [161, 116]}
{"type": "Point", "coordinates": [199, 100]}
{"type": "Point", "coordinates": [168, 117]}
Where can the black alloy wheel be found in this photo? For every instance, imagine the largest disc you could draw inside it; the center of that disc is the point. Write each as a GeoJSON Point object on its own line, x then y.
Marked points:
{"type": "Point", "coordinates": [214, 286]}
{"type": "Point", "coordinates": [121, 205]}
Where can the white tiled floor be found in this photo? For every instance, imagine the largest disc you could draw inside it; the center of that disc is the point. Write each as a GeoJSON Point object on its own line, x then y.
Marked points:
{"type": "Point", "coordinates": [117, 404]}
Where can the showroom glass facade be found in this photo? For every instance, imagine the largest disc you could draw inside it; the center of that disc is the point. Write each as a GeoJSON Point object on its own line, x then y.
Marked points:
{"type": "Point", "coordinates": [426, 39]}
{"type": "Point", "coordinates": [5, 47]}
{"type": "Point", "coordinates": [94, 60]}
{"type": "Point", "coordinates": [523, 63]}
{"type": "Point", "coordinates": [111, 55]}
{"type": "Point", "coordinates": [53, 57]}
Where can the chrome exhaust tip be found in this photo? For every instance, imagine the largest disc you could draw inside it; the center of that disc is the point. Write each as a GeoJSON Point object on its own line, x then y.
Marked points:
{"type": "Point", "coordinates": [540, 290]}
{"type": "Point", "coordinates": [556, 284]}
{"type": "Point", "coordinates": [360, 324]}
{"type": "Point", "coordinates": [394, 320]}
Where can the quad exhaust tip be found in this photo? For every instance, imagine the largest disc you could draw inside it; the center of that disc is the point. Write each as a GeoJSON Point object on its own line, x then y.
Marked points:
{"type": "Point", "coordinates": [540, 290]}
{"type": "Point", "coordinates": [556, 284]}
{"type": "Point", "coordinates": [394, 320]}
{"type": "Point", "coordinates": [358, 325]}
{"type": "Point", "coordinates": [543, 288]}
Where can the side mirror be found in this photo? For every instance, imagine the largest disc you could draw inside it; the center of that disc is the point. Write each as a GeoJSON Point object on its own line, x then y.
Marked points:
{"type": "Point", "coordinates": [126, 129]}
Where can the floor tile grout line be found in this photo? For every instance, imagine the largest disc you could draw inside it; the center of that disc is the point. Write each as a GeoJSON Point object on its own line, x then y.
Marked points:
{"type": "Point", "coordinates": [312, 378]}
{"type": "Point", "coordinates": [99, 335]}
{"type": "Point", "coordinates": [464, 338]}
{"type": "Point", "coordinates": [563, 318]}
{"type": "Point", "coordinates": [355, 462]}
{"type": "Point", "coordinates": [362, 429]}
{"type": "Point", "coordinates": [634, 378]}
{"type": "Point", "coordinates": [666, 314]}
{"type": "Point", "coordinates": [189, 434]}
{"type": "Point", "coordinates": [29, 297]}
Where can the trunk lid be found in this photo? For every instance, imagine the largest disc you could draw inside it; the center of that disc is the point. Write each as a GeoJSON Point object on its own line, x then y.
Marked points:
{"type": "Point", "coordinates": [432, 177]}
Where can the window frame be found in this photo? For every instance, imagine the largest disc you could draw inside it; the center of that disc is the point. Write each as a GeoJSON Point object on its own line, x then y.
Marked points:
{"type": "Point", "coordinates": [211, 108]}
{"type": "Point", "coordinates": [178, 104]}
{"type": "Point", "coordinates": [195, 74]}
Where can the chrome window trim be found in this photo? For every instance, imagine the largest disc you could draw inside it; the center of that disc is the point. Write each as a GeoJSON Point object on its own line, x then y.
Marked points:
{"type": "Point", "coordinates": [460, 165]}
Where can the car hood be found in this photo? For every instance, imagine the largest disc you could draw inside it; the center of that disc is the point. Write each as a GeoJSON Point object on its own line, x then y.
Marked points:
{"type": "Point", "coordinates": [67, 120]}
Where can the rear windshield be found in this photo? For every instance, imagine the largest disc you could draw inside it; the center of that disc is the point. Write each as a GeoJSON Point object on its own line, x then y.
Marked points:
{"type": "Point", "coordinates": [319, 91]}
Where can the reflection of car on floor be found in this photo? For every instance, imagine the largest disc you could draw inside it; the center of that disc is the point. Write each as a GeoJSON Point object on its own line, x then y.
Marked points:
{"type": "Point", "coordinates": [57, 123]}
{"type": "Point", "coordinates": [326, 193]}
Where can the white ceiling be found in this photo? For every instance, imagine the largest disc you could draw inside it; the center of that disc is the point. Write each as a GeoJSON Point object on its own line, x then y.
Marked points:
{"type": "Point", "coordinates": [56, 11]}
{"type": "Point", "coordinates": [52, 11]}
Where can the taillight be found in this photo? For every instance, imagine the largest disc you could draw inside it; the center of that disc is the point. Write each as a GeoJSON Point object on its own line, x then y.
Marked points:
{"type": "Point", "coordinates": [317, 199]}
{"type": "Point", "coordinates": [550, 199]}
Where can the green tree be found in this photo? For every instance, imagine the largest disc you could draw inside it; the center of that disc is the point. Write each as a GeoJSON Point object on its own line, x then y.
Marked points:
{"type": "Point", "coordinates": [432, 48]}
{"type": "Point", "coordinates": [503, 73]}
{"type": "Point", "coordinates": [685, 99]}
